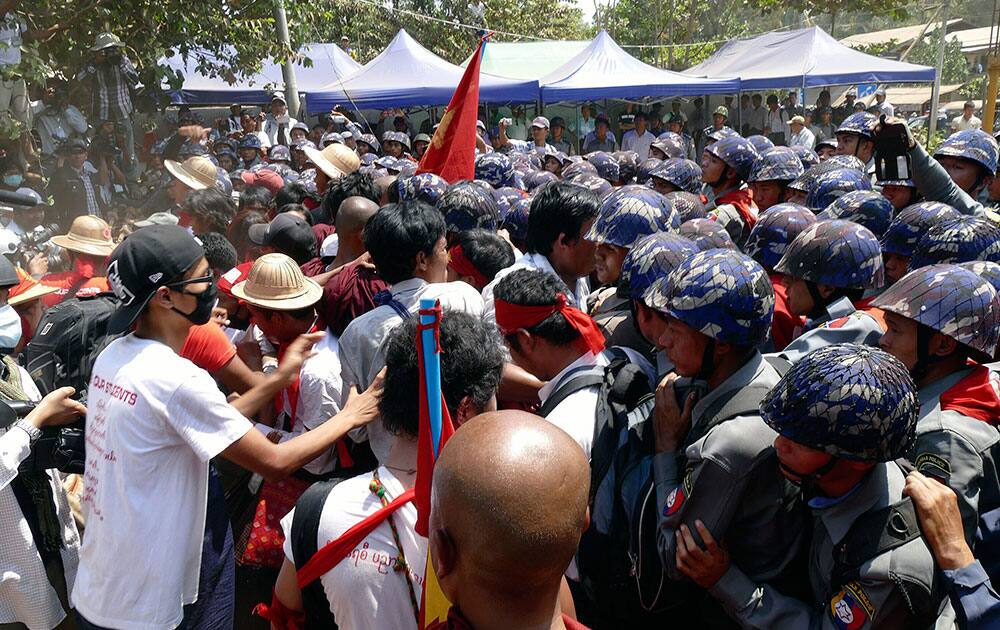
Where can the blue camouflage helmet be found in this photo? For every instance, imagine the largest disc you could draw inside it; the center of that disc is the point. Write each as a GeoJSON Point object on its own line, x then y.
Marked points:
{"type": "Point", "coordinates": [850, 401]}
{"type": "Point", "coordinates": [652, 257]}
{"type": "Point", "coordinates": [684, 174]}
{"type": "Point", "coordinates": [576, 168]}
{"type": "Point", "coordinates": [724, 132]}
{"type": "Point", "coordinates": [495, 168]}
{"type": "Point", "coordinates": [537, 179]}
{"type": "Point", "coordinates": [774, 232]}
{"type": "Point", "coordinates": [721, 293]}
{"type": "Point", "coordinates": [302, 144]}
{"type": "Point", "coordinates": [866, 207]}
{"type": "Point", "coordinates": [405, 167]}
{"type": "Point", "coordinates": [630, 212]}
{"type": "Point", "coordinates": [837, 253]}
{"type": "Point", "coordinates": [628, 165]}
{"type": "Point", "coordinates": [386, 161]}
{"type": "Point", "coordinates": [506, 197]}
{"type": "Point", "coordinates": [860, 123]}
{"type": "Point", "coordinates": [227, 143]}
{"type": "Point", "coordinates": [671, 144]}
{"type": "Point", "coordinates": [806, 156]}
{"type": "Point", "coordinates": [835, 183]}
{"type": "Point", "coordinates": [467, 205]}
{"type": "Point", "coordinates": [736, 152]}
{"type": "Point", "coordinates": [397, 136]}
{"type": "Point", "coordinates": [190, 149]}
{"type": "Point", "coordinates": [516, 220]}
{"type": "Point", "coordinates": [845, 161]}
{"type": "Point", "coordinates": [706, 234]}
{"type": "Point", "coordinates": [371, 141]}
{"type": "Point", "coordinates": [953, 301]}
{"type": "Point", "coordinates": [250, 141]}
{"type": "Point", "coordinates": [368, 159]}
{"type": "Point", "coordinates": [989, 271]}
{"type": "Point", "coordinates": [426, 187]}
{"type": "Point", "coordinates": [957, 240]}
{"type": "Point", "coordinates": [597, 185]}
{"type": "Point", "coordinates": [279, 153]}
{"type": "Point", "coordinates": [776, 163]}
{"type": "Point", "coordinates": [908, 183]}
{"type": "Point", "coordinates": [972, 144]}
{"type": "Point", "coordinates": [645, 169]}
{"type": "Point", "coordinates": [607, 166]}
{"type": "Point", "coordinates": [688, 205]}
{"type": "Point", "coordinates": [761, 143]}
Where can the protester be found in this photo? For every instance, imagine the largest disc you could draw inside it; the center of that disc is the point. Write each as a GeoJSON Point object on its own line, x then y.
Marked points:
{"type": "Point", "coordinates": [88, 243]}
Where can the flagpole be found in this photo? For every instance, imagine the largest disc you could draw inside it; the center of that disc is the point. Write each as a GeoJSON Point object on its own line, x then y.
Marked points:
{"type": "Point", "coordinates": [432, 372]}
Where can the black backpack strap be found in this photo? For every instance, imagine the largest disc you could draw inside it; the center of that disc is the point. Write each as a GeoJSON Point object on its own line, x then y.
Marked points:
{"type": "Point", "coordinates": [871, 535]}
{"type": "Point", "coordinates": [305, 529]}
{"type": "Point", "coordinates": [582, 379]}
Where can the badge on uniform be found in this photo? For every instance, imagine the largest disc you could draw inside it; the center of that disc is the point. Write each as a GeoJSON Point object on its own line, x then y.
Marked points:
{"type": "Point", "coordinates": [851, 608]}
{"type": "Point", "coordinates": [933, 466]}
{"type": "Point", "coordinates": [677, 496]}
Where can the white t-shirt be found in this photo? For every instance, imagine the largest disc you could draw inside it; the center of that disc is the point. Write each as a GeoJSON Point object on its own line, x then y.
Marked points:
{"type": "Point", "coordinates": [632, 141]}
{"type": "Point", "coordinates": [12, 29]}
{"type": "Point", "coordinates": [154, 420]}
{"type": "Point", "coordinates": [364, 591]}
{"type": "Point", "coordinates": [959, 123]}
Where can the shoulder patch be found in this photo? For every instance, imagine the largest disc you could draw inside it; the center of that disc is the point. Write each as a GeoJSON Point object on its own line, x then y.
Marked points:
{"type": "Point", "coordinates": [678, 495]}
{"type": "Point", "coordinates": [933, 466]}
{"type": "Point", "coordinates": [837, 323]}
{"type": "Point", "coordinates": [851, 608]}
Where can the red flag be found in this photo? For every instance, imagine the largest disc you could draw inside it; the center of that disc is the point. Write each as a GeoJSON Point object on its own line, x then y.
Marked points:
{"type": "Point", "coordinates": [452, 152]}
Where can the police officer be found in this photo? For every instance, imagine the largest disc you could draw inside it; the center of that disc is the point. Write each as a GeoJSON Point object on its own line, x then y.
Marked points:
{"type": "Point", "coordinates": [843, 414]}
{"type": "Point", "coordinates": [855, 136]}
{"type": "Point", "coordinates": [864, 207]}
{"type": "Point", "coordinates": [625, 215]}
{"type": "Point", "coordinates": [827, 269]}
{"type": "Point", "coordinates": [772, 171]}
{"type": "Point", "coordinates": [958, 240]}
{"type": "Point", "coordinates": [902, 235]}
{"type": "Point", "coordinates": [900, 192]}
{"type": "Point", "coordinates": [651, 258]}
{"type": "Point", "coordinates": [725, 165]}
{"type": "Point", "coordinates": [834, 180]}
{"type": "Point", "coordinates": [714, 459]}
{"type": "Point", "coordinates": [938, 318]}
{"type": "Point", "coordinates": [676, 174]}
{"type": "Point", "coordinates": [669, 145]}
{"type": "Point", "coordinates": [249, 151]}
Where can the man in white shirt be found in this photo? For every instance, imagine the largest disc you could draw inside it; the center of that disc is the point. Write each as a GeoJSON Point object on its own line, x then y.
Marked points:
{"type": "Point", "coordinates": [967, 119]}
{"type": "Point", "coordinates": [56, 120]}
{"type": "Point", "coordinates": [801, 135]}
{"type": "Point", "coordinates": [278, 124]}
{"type": "Point", "coordinates": [154, 420]}
{"type": "Point", "coordinates": [884, 106]}
{"type": "Point", "coordinates": [744, 120]}
{"type": "Point", "coordinates": [539, 134]}
{"type": "Point", "coordinates": [775, 121]}
{"type": "Point", "coordinates": [561, 214]}
{"type": "Point", "coordinates": [407, 244]}
{"type": "Point", "coordinates": [757, 119]}
{"type": "Point", "coordinates": [366, 593]}
{"type": "Point", "coordinates": [638, 139]}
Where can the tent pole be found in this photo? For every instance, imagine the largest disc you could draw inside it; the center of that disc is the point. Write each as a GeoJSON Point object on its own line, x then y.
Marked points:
{"type": "Point", "coordinates": [287, 68]}
{"type": "Point", "coordinates": [936, 91]}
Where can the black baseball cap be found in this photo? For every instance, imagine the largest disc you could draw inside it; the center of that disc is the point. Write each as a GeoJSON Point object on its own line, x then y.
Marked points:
{"type": "Point", "coordinates": [285, 232]}
{"type": "Point", "coordinates": [145, 261]}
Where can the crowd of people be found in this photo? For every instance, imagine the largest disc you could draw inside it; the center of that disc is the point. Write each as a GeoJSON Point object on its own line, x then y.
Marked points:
{"type": "Point", "coordinates": [724, 376]}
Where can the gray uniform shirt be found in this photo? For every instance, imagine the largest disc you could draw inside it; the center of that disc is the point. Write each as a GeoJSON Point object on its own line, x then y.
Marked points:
{"type": "Point", "coordinates": [874, 600]}
{"type": "Point", "coordinates": [727, 476]}
{"type": "Point", "coordinates": [842, 324]}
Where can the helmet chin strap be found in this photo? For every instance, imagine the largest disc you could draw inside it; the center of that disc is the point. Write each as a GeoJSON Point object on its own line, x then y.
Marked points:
{"type": "Point", "coordinates": [819, 302]}
{"type": "Point", "coordinates": [707, 361]}
{"type": "Point", "coordinates": [924, 357]}
{"type": "Point", "coordinates": [809, 482]}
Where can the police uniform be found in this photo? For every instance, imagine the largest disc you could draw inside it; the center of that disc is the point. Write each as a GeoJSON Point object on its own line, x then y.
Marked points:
{"type": "Point", "coordinates": [958, 451]}
{"type": "Point", "coordinates": [895, 589]}
{"type": "Point", "coordinates": [726, 475]}
{"type": "Point", "coordinates": [841, 323]}
{"type": "Point", "coordinates": [613, 316]}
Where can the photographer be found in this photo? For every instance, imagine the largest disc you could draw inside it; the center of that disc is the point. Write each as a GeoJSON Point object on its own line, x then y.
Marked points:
{"type": "Point", "coordinates": [76, 186]}
{"type": "Point", "coordinates": [56, 120]}
{"type": "Point", "coordinates": [111, 78]}
{"type": "Point", "coordinates": [41, 551]}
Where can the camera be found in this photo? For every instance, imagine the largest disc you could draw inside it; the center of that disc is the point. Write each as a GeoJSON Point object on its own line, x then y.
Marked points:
{"type": "Point", "coordinates": [892, 155]}
{"type": "Point", "coordinates": [62, 448]}
{"type": "Point", "coordinates": [38, 240]}
{"type": "Point", "coordinates": [106, 144]}
{"type": "Point", "coordinates": [506, 122]}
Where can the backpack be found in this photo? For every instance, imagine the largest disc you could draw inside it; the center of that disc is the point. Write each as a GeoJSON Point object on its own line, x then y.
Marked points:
{"type": "Point", "coordinates": [67, 341]}
{"type": "Point", "coordinates": [304, 543]}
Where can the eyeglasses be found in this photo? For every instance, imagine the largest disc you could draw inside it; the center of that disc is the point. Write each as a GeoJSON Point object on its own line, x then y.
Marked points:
{"type": "Point", "coordinates": [183, 283]}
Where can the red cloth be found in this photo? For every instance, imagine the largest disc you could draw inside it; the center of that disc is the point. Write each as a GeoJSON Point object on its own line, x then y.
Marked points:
{"type": "Point", "coordinates": [348, 295]}
{"type": "Point", "coordinates": [460, 263]}
{"type": "Point", "coordinates": [976, 396]}
{"type": "Point", "coordinates": [314, 267]}
{"type": "Point", "coordinates": [742, 200]}
{"type": "Point", "coordinates": [785, 325]}
{"type": "Point", "coordinates": [281, 616]}
{"type": "Point", "coordinates": [64, 281]}
{"type": "Point", "coordinates": [322, 230]}
{"type": "Point", "coordinates": [233, 277]}
{"type": "Point", "coordinates": [457, 621]}
{"type": "Point", "coordinates": [208, 347]}
{"type": "Point", "coordinates": [512, 317]}
{"type": "Point", "coordinates": [336, 550]}
{"type": "Point", "coordinates": [452, 151]}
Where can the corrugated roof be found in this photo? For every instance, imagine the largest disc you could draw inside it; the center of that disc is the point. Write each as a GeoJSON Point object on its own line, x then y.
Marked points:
{"type": "Point", "coordinates": [902, 35]}
{"type": "Point", "coordinates": [973, 39]}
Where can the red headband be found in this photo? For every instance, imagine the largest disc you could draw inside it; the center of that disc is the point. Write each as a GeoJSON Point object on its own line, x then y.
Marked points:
{"type": "Point", "coordinates": [513, 317]}
{"type": "Point", "coordinates": [458, 261]}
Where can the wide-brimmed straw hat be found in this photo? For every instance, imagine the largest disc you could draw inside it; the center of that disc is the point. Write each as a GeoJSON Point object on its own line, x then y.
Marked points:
{"type": "Point", "coordinates": [275, 282]}
{"type": "Point", "coordinates": [28, 289]}
{"type": "Point", "coordinates": [87, 235]}
{"type": "Point", "coordinates": [336, 160]}
{"type": "Point", "coordinates": [197, 172]}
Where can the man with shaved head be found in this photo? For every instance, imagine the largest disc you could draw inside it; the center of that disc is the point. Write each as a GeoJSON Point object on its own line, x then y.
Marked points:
{"type": "Point", "coordinates": [508, 506]}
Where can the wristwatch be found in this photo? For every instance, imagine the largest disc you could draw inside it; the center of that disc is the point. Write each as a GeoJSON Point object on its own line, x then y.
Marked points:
{"type": "Point", "coordinates": [34, 433]}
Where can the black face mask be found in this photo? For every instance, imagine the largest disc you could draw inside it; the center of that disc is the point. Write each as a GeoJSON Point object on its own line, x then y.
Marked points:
{"type": "Point", "coordinates": [206, 302]}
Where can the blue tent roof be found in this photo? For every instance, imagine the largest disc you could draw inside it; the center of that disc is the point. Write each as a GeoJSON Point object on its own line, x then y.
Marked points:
{"type": "Point", "coordinates": [328, 61]}
{"type": "Point", "coordinates": [604, 70]}
{"type": "Point", "coordinates": [406, 74]}
{"type": "Point", "coordinates": [806, 57]}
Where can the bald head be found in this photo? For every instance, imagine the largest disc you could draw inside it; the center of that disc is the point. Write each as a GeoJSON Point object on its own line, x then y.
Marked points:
{"type": "Point", "coordinates": [353, 214]}
{"type": "Point", "coordinates": [510, 500]}
{"type": "Point", "coordinates": [384, 185]}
